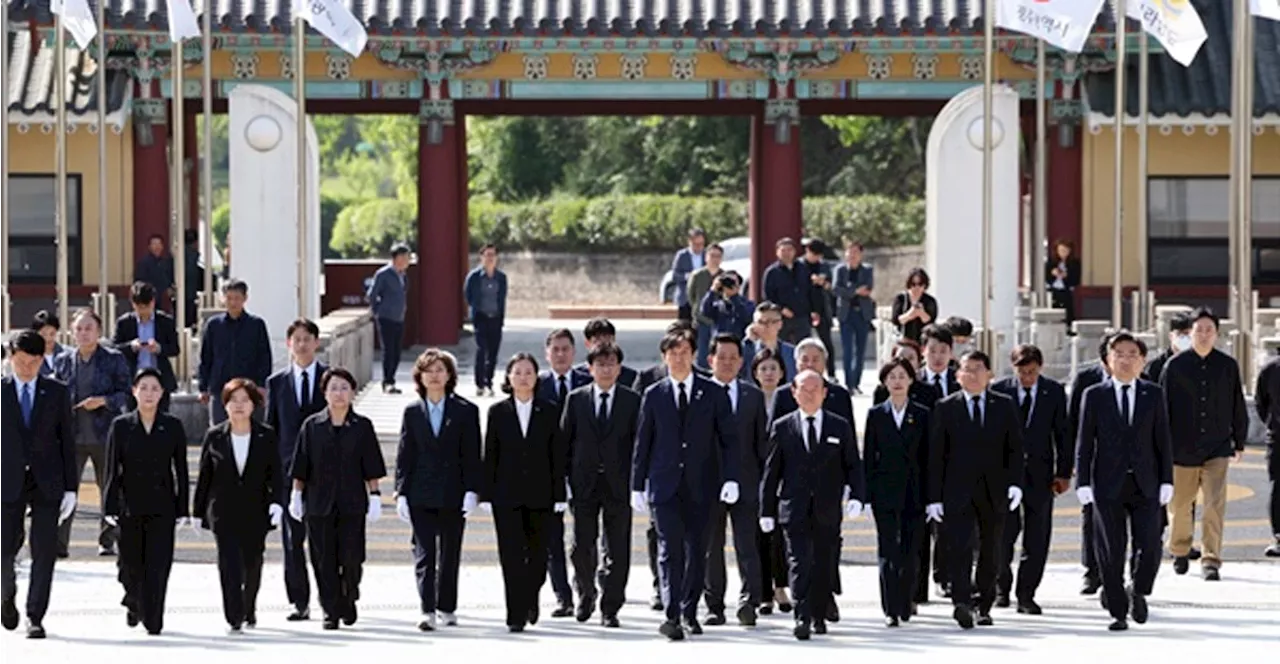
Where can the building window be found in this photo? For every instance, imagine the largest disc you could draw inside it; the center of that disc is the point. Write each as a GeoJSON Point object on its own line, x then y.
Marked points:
{"type": "Point", "coordinates": [33, 254]}
{"type": "Point", "coordinates": [1188, 228]}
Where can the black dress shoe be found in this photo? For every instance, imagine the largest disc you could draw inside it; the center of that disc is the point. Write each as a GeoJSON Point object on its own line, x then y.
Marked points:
{"type": "Point", "coordinates": [671, 630]}
{"type": "Point", "coordinates": [349, 615]}
{"type": "Point", "coordinates": [515, 629]}
{"type": "Point", "coordinates": [1118, 625]}
{"type": "Point", "coordinates": [35, 630]}
{"type": "Point", "coordinates": [833, 612]}
{"type": "Point", "coordinates": [1029, 607]}
{"type": "Point", "coordinates": [716, 618]}
{"type": "Point", "coordinates": [819, 627]}
{"type": "Point", "coordinates": [943, 590]}
{"type": "Point", "coordinates": [565, 609]}
{"type": "Point", "coordinates": [655, 602]}
{"type": "Point", "coordinates": [984, 618]}
{"type": "Point", "coordinates": [1194, 554]}
{"type": "Point", "coordinates": [609, 621]}
{"type": "Point", "coordinates": [532, 618]}
{"type": "Point", "coordinates": [9, 615]}
{"type": "Point", "coordinates": [1090, 585]}
{"type": "Point", "coordinates": [1210, 574]}
{"type": "Point", "coordinates": [766, 609]}
{"type": "Point", "coordinates": [747, 616]}
{"type": "Point", "coordinates": [1181, 564]}
{"type": "Point", "coordinates": [691, 626]}
{"type": "Point", "coordinates": [130, 618]}
{"type": "Point", "coordinates": [251, 620]}
{"type": "Point", "coordinates": [1002, 601]}
{"type": "Point", "coordinates": [891, 621]}
{"type": "Point", "coordinates": [1138, 607]}
{"type": "Point", "coordinates": [299, 613]}
{"type": "Point", "coordinates": [331, 623]}
{"type": "Point", "coordinates": [963, 616]}
{"type": "Point", "coordinates": [153, 631]}
{"type": "Point", "coordinates": [802, 630]}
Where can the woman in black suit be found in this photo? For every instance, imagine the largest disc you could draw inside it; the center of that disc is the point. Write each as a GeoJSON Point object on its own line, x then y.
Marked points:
{"type": "Point", "coordinates": [896, 443]}
{"type": "Point", "coordinates": [439, 477]}
{"type": "Point", "coordinates": [146, 498]}
{"type": "Point", "coordinates": [336, 467]}
{"type": "Point", "coordinates": [913, 308]}
{"type": "Point", "coordinates": [239, 497]}
{"type": "Point", "coordinates": [767, 371]}
{"type": "Point", "coordinates": [1061, 276]}
{"type": "Point", "coordinates": [523, 483]}
{"type": "Point", "coordinates": [920, 392]}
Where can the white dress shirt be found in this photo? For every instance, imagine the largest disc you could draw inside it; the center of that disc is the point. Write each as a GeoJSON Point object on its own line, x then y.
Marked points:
{"type": "Point", "coordinates": [1120, 396]}
{"type": "Point", "coordinates": [733, 392]}
{"type": "Point", "coordinates": [898, 415]}
{"type": "Point", "coordinates": [675, 388]}
{"type": "Point", "coordinates": [982, 400]}
{"type": "Point", "coordinates": [524, 411]}
{"type": "Point", "coordinates": [310, 371]}
{"type": "Point", "coordinates": [595, 399]}
{"type": "Point", "coordinates": [568, 384]}
{"type": "Point", "coordinates": [941, 383]}
{"type": "Point", "coordinates": [1022, 395]}
{"type": "Point", "coordinates": [817, 428]}
{"type": "Point", "coordinates": [240, 448]}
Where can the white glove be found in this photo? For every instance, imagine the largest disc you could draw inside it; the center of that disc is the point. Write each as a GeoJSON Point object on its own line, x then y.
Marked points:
{"type": "Point", "coordinates": [111, 520]}
{"type": "Point", "coordinates": [561, 508]}
{"type": "Point", "coordinates": [375, 509]}
{"type": "Point", "coordinates": [486, 507]}
{"type": "Point", "coordinates": [638, 502]}
{"type": "Point", "coordinates": [1015, 498]}
{"type": "Point", "coordinates": [402, 509]}
{"type": "Point", "coordinates": [867, 512]}
{"type": "Point", "coordinates": [470, 501]}
{"type": "Point", "coordinates": [766, 524]}
{"type": "Point", "coordinates": [67, 506]}
{"type": "Point", "coordinates": [276, 513]}
{"type": "Point", "coordinates": [296, 510]}
{"type": "Point", "coordinates": [568, 491]}
{"type": "Point", "coordinates": [853, 508]}
{"type": "Point", "coordinates": [1084, 494]}
{"type": "Point", "coordinates": [1166, 494]}
{"type": "Point", "coordinates": [933, 512]}
{"type": "Point", "coordinates": [729, 493]}
{"type": "Point", "coordinates": [183, 521]}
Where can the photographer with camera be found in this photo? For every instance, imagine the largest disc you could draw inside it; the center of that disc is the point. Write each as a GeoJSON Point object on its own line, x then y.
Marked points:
{"type": "Point", "coordinates": [726, 308]}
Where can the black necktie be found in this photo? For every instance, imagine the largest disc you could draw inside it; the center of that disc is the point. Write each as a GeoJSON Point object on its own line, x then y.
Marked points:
{"type": "Point", "coordinates": [813, 434]}
{"type": "Point", "coordinates": [564, 389]}
{"type": "Point", "coordinates": [602, 415]}
{"type": "Point", "coordinates": [683, 400]}
{"type": "Point", "coordinates": [728, 392]}
{"type": "Point", "coordinates": [977, 409]}
{"type": "Point", "coordinates": [1124, 405]}
{"type": "Point", "coordinates": [937, 382]}
{"type": "Point", "coordinates": [1025, 407]}
{"type": "Point", "coordinates": [305, 402]}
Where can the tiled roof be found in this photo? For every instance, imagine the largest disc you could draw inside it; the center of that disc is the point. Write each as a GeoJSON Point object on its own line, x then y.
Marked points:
{"type": "Point", "coordinates": [32, 84]}
{"type": "Point", "coordinates": [1204, 87]}
{"type": "Point", "coordinates": [650, 18]}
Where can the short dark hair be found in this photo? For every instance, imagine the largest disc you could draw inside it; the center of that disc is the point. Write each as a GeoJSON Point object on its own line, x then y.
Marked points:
{"type": "Point", "coordinates": [337, 372]}
{"type": "Point", "coordinates": [783, 241]}
{"type": "Point", "coordinates": [597, 327]}
{"type": "Point", "coordinates": [142, 293]}
{"type": "Point", "coordinates": [155, 236]}
{"type": "Point", "coordinates": [850, 242]}
{"type": "Point", "coordinates": [1181, 323]}
{"type": "Point", "coordinates": [1124, 336]}
{"type": "Point", "coordinates": [765, 355]}
{"type": "Point", "coordinates": [1204, 312]}
{"type": "Point", "coordinates": [910, 344]}
{"type": "Point", "coordinates": [680, 325]}
{"type": "Point", "coordinates": [696, 231]}
{"type": "Point", "coordinates": [936, 333]}
{"type": "Point", "coordinates": [716, 246]}
{"type": "Point", "coordinates": [190, 236]}
{"type": "Point", "coordinates": [558, 333]}
{"type": "Point", "coordinates": [977, 356]}
{"type": "Point", "coordinates": [234, 284]}
{"type": "Point", "coordinates": [487, 246]}
{"type": "Point", "coordinates": [149, 372]}
{"type": "Point", "coordinates": [511, 364]}
{"type": "Point", "coordinates": [1024, 354]}
{"type": "Point", "coordinates": [895, 363]}
{"type": "Point", "coordinates": [768, 307]}
{"type": "Point", "coordinates": [959, 326]}
{"type": "Point", "coordinates": [27, 341]}
{"type": "Point", "coordinates": [303, 324]}
{"type": "Point", "coordinates": [728, 339]}
{"type": "Point", "coordinates": [399, 249]}
{"type": "Point", "coordinates": [250, 389]}
{"type": "Point", "coordinates": [1103, 345]}
{"type": "Point", "coordinates": [604, 350]}
{"type": "Point", "coordinates": [917, 274]}
{"type": "Point", "coordinates": [43, 319]}
{"type": "Point", "coordinates": [429, 357]}
{"type": "Point", "coordinates": [815, 246]}
{"type": "Point", "coordinates": [673, 339]}
{"type": "Point", "coordinates": [86, 311]}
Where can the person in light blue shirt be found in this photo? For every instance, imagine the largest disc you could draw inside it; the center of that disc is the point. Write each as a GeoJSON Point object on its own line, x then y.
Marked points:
{"type": "Point", "coordinates": [389, 300]}
{"type": "Point", "coordinates": [485, 290]}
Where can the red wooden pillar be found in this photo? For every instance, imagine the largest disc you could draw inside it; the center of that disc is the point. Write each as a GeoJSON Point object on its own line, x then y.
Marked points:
{"type": "Point", "coordinates": [438, 294]}
{"type": "Point", "coordinates": [150, 168]}
{"type": "Point", "coordinates": [773, 193]}
{"type": "Point", "coordinates": [1066, 188]}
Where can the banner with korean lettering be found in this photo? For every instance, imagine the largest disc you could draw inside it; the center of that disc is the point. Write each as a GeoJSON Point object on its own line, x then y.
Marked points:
{"type": "Point", "coordinates": [78, 19]}
{"type": "Point", "coordinates": [182, 20]}
{"type": "Point", "coordinates": [1174, 23]}
{"type": "Point", "coordinates": [1266, 9]}
{"type": "Point", "coordinates": [332, 19]}
{"type": "Point", "coordinates": [1065, 24]}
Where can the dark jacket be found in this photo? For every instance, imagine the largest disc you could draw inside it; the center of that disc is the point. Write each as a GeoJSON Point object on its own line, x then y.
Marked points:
{"type": "Point", "coordinates": [335, 462]}
{"type": "Point", "coordinates": [807, 485]}
{"type": "Point", "coordinates": [895, 458]}
{"type": "Point", "coordinates": [523, 469]}
{"type": "Point", "coordinates": [838, 401]}
{"type": "Point", "coordinates": [234, 348]}
{"type": "Point", "coordinates": [753, 438]}
{"type": "Point", "coordinates": [845, 285]}
{"type": "Point", "coordinates": [912, 330]}
{"type": "Point", "coordinates": [388, 294]}
{"type": "Point", "coordinates": [1207, 414]}
{"type": "Point", "coordinates": [285, 414]}
{"type": "Point", "coordinates": [1047, 446]}
{"type": "Point", "coordinates": [435, 472]}
{"type": "Point", "coordinates": [1084, 379]}
{"type": "Point", "coordinates": [626, 375]}
{"type": "Point", "coordinates": [471, 291]}
{"type": "Point", "coordinates": [963, 455]}
{"type": "Point", "coordinates": [1107, 447]}
{"type": "Point", "coordinates": [671, 453]}
{"type": "Point", "coordinates": [166, 335]}
{"type": "Point", "coordinates": [549, 390]}
{"type": "Point", "coordinates": [587, 447]}
{"type": "Point", "coordinates": [146, 472]}
{"type": "Point", "coordinates": [47, 447]}
{"type": "Point", "coordinates": [228, 498]}
{"type": "Point", "coordinates": [789, 288]}
{"type": "Point", "coordinates": [111, 380]}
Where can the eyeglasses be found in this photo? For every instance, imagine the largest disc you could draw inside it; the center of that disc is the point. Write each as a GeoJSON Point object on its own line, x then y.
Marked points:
{"type": "Point", "coordinates": [916, 284]}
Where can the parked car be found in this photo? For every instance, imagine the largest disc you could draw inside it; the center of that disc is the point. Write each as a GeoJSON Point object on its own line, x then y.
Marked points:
{"type": "Point", "coordinates": [737, 258]}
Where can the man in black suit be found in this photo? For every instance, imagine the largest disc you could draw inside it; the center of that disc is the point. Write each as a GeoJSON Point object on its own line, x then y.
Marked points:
{"type": "Point", "coordinates": [975, 466]}
{"type": "Point", "coordinates": [148, 337]}
{"type": "Point", "coordinates": [813, 461]}
{"type": "Point", "coordinates": [1124, 457]}
{"type": "Point", "coordinates": [937, 374]}
{"type": "Point", "coordinates": [1047, 448]}
{"type": "Point", "coordinates": [600, 331]}
{"type": "Point", "coordinates": [1085, 379]}
{"type": "Point", "coordinates": [38, 462]}
{"type": "Point", "coordinates": [554, 385]}
{"type": "Point", "coordinates": [753, 447]}
{"type": "Point", "coordinates": [811, 355]}
{"type": "Point", "coordinates": [686, 443]}
{"type": "Point", "coordinates": [598, 429]}
{"type": "Point", "coordinates": [293, 395]}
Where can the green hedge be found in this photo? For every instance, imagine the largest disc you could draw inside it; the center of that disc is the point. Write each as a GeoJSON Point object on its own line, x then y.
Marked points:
{"type": "Point", "coordinates": [330, 208]}
{"type": "Point", "coordinates": [625, 223]}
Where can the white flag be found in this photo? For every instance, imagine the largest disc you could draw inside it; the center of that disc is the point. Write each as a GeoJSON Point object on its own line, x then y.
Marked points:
{"type": "Point", "coordinates": [1174, 23]}
{"type": "Point", "coordinates": [182, 20]}
{"type": "Point", "coordinates": [332, 19]}
{"type": "Point", "coordinates": [1266, 9]}
{"type": "Point", "coordinates": [1062, 23]}
{"type": "Point", "coordinates": [78, 19]}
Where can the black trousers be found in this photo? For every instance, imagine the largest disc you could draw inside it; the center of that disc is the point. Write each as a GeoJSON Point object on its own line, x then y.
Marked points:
{"type": "Point", "coordinates": [931, 538]}
{"type": "Point", "coordinates": [958, 530]}
{"type": "Point", "coordinates": [522, 555]}
{"type": "Point", "coordinates": [145, 559]}
{"type": "Point", "coordinates": [106, 533]}
{"type": "Point", "coordinates": [1273, 471]}
{"type": "Point", "coordinates": [772, 548]}
{"type": "Point", "coordinates": [1034, 520]}
{"type": "Point", "coordinates": [1065, 300]}
{"type": "Point", "coordinates": [557, 565]}
{"type": "Point", "coordinates": [796, 329]}
{"type": "Point", "coordinates": [684, 312]}
{"type": "Point", "coordinates": [590, 513]}
{"type": "Point", "coordinates": [898, 535]}
{"type": "Point", "coordinates": [240, 571]}
{"type": "Point", "coordinates": [745, 517]}
{"type": "Point", "coordinates": [1131, 513]}
{"type": "Point", "coordinates": [43, 540]}
{"type": "Point", "coordinates": [1087, 547]}
{"type": "Point", "coordinates": [391, 333]}
{"type": "Point", "coordinates": [293, 538]}
{"type": "Point", "coordinates": [488, 340]}
{"type": "Point", "coordinates": [809, 549]}
{"type": "Point", "coordinates": [651, 539]}
{"type": "Point", "coordinates": [337, 553]}
{"type": "Point", "coordinates": [682, 552]}
{"type": "Point", "coordinates": [823, 328]}
{"type": "Point", "coordinates": [437, 536]}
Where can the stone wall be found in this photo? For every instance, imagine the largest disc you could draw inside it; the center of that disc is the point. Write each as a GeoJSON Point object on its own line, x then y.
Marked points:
{"type": "Point", "coordinates": [539, 279]}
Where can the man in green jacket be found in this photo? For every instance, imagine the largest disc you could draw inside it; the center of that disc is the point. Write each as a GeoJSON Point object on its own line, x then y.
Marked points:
{"type": "Point", "coordinates": [700, 281]}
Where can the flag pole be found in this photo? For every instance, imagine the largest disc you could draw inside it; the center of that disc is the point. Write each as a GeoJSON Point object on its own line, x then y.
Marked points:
{"type": "Point", "coordinates": [988, 84]}
{"type": "Point", "coordinates": [206, 158]}
{"type": "Point", "coordinates": [177, 158]}
{"type": "Point", "coordinates": [1117, 320]}
{"type": "Point", "coordinates": [1144, 104]}
{"type": "Point", "coordinates": [60, 159]}
{"type": "Point", "coordinates": [104, 305]}
{"type": "Point", "coordinates": [300, 93]}
{"type": "Point", "coordinates": [1245, 234]}
{"type": "Point", "coordinates": [1238, 128]}
{"type": "Point", "coordinates": [1039, 256]}
{"type": "Point", "coordinates": [4, 174]}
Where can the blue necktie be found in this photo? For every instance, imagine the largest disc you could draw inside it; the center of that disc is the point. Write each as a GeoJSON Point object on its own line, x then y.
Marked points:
{"type": "Point", "coordinates": [26, 404]}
